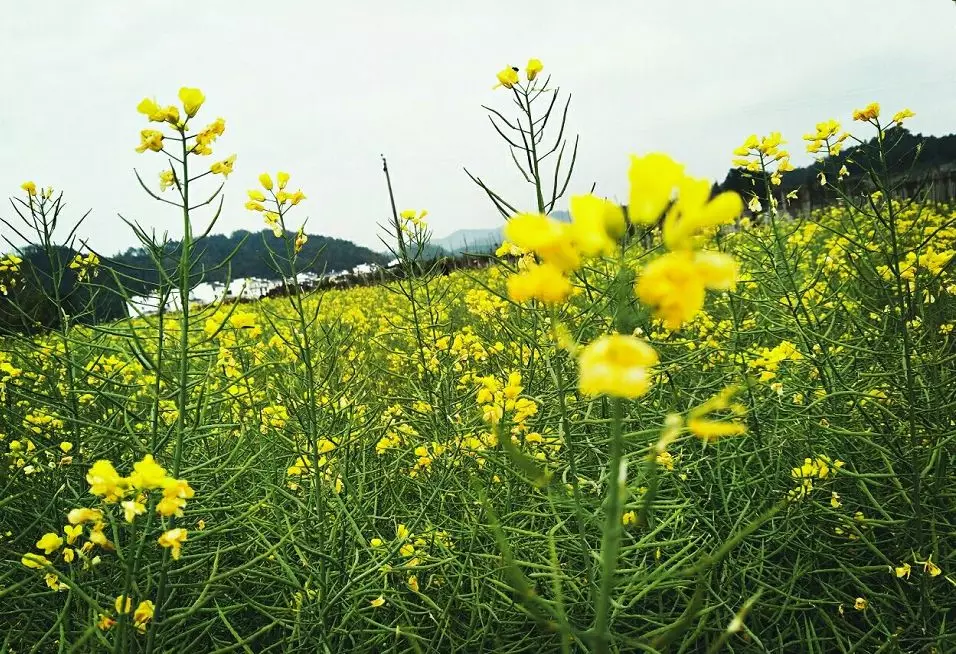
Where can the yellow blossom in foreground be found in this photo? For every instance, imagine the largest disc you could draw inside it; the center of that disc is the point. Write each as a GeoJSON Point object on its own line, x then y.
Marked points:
{"type": "Point", "coordinates": [653, 179]}
{"type": "Point", "coordinates": [597, 224]}
{"type": "Point", "coordinates": [282, 179]}
{"type": "Point", "coordinates": [903, 571]}
{"type": "Point", "coordinates": [629, 518]}
{"type": "Point", "coordinates": [695, 212]}
{"type": "Point", "coordinates": [542, 282]}
{"type": "Point", "coordinates": [223, 167]}
{"type": "Point", "coordinates": [378, 601]}
{"type": "Point", "coordinates": [123, 604]}
{"type": "Point", "coordinates": [143, 614]}
{"type": "Point", "coordinates": [674, 285]}
{"type": "Point", "coordinates": [50, 542]}
{"type": "Point", "coordinates": [79, 516]}
{"type": "Point", "coordinates": [266, 180]}
{"type": "Point", "coordinates": [147, 474]}
{"type": "Point", "coordinates": [709, 430]}
{"type": "Point", "coordinates": [72, 533]}
{"type": "Point", "coordinates": [35, 561]}
{"type": "Point", "coordinates": [869, 112]}
{"type": "Point", "coordinates": [534, 67]}
{"type": "Point", "coordinates": [616, 365]}
{"type": "Point", "coordinates": [173, 539]}
{"type": "Point", "coordinates": [150, 139]}
{"type": "Point", "coordinates": [507, 77]}
{"type": "Point", "coordinates": [105, 623]}
{"type": "Point", "coordinates": [192, 99]}
{"type": "Point", "coordinates": [550, 239]}
{"type": "Point", "coordinates": [131, 509]}
{"type": "Point", "coordinates": [902, 115]}
{"type": "Point", "coordinates": [30, 188]}
{"type": "Point", "coordinates": [860, 604]}
{"type": "Point", "coordinates": [105, 482]}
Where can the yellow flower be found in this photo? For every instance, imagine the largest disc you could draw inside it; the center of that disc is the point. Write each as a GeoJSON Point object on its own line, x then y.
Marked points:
{"type": "Point", "coordinates": [869, 112]}
{"type": "Point", "coordinates": [147, 474]}
{"type": "Point", "coordinates": [653, 179]}
{"type": "Point", "coordinates": [407, 550]}
{"type": "Point", "coordinates": [34, 561]}
{"type": "Point", "coordinates": [401, 532]}
{"type": "Point", "coordinates": [266, 181]}
{"type": "Point", "coordinates": [378, 601]}
{"type": "Point", "coordinates": [223, 167]}
{"type": "Point", "coordinates": [150, 140]}
{"type": "Point", "coordinates": [167, 178]}
{"type": "Point", "coordinates": [66, 446]}
{"type": "Point", "coordinates": [255, 195]}
{"type": "Point", "coordinates": [674, 285]}
{"type": "Point", "coordinates": [710, 430]}
{"type": "Point", "coordinates": [754, 204]}
{"type": "Point", "coordinates": [860, 604]}
{"type": "Point", "coordinates": [173, 539]}
{"type": "Point", "coordinates": [931, 568]}
{"type": "Point", "coordinates": [616, 365]}
{"type": "Point", "coordinates": [296, 197]}
{"type": "Point", "coordinates": [105, 482]}
{"type": "Point", "coordinates": [548, 238]}
{"type": "Point", "coordinates": [143, 614]}
{"type": "Point", "coordinates": [301, 238]}
{"type": "Point", "coordinates": [192, 99]}
{"type": "Point", "coordinates": [30, 188]}
{"type": "Point", "coordinates": [507, 77]}
{"type": "Point", "coordinates": [50, 542]}
{"type": "Point", "coordinates": [695, 211]}
{"type": "Point", "coordinates": [903, 571]}
{"type": "Point", "coordinates": [157, 113]}
{"type": "Point", "coordinates": [629, 518]}
{"type": "Point", "coordinates": [252, 205]}
{"type": "Point", "coordinates": [597, 224]}
{"type": "Point", "coordinates": [376, 542]}
{"type": "Point", "coordinates": [282, 179]}
{"type": "Point", "coordinates": [544, 282]}
{"type": "Point", "coordinates": [534, 67]}
{"type": "Point", "coordinates": [175, 494]}
{"type": "Point", "coordinates": [902, 115]}
{"type": "Point", "coordinates": [132, 508]}
{"type": "Point", "coordinates": [105, 622]}
{"type": "Point", "coordinates": [123, 604]}
{"type": "Point", "coordinates": [413, 583]}
{"type": "Point", "coordinates": [68, 554]}
{"type": "Point", "coordinates": [79, 516]}
{"type": "Point", "coordinates": [54, 582]}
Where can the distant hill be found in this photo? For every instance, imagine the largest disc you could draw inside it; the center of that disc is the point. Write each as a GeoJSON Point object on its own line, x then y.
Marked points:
{"type": "Point", "coordinates": [251, 259]}
{"type": "Point", "coordinates": [139, 274]}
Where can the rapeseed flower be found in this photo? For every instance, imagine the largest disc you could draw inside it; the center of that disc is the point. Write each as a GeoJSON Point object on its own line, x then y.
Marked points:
{"type": "Point", "coordinates": [616, 365]}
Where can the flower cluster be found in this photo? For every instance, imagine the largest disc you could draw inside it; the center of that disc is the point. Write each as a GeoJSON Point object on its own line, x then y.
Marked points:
{"type": "Point", "coordinates": [508, 76]}
{"type": "Point", "coordinates": [561, 247]}
{"type": "Point", "coordinates": [827, 137]}
{"type": "Point", "coordinates": [9, 269]}
{"type": "Point", "coordinates": [86, 267]}
{"type": "Point", "coordinates": [816, 468]}
{"type": "Point", "coordinates": [764, 154]}
{"type": "Point", "coordinates": [282, 200]}
{"type": "Point", "coordinates": [674, 285]}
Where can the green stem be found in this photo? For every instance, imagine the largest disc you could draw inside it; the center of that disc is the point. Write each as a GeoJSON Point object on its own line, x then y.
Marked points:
{"type": "Point", "coordinates": [611, 542]}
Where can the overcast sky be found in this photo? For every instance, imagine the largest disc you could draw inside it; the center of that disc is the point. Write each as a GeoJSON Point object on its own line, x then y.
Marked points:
{"type": "Point", "coordinates": [321, 89]}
